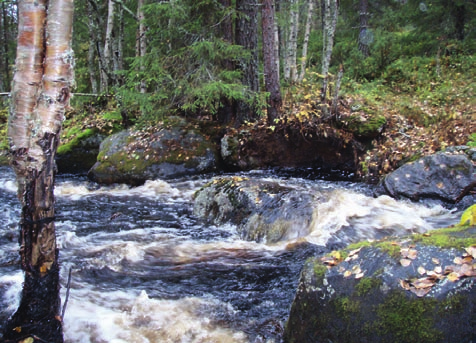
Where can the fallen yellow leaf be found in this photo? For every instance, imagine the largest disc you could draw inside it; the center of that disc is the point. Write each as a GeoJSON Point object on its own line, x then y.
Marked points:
{"type": "Point", "coordinates": [453, 277]}
{"type": "Point", "coordinates": [405, 262]}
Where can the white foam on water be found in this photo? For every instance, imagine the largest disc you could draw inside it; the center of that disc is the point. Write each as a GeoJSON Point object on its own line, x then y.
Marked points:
{"type": "Point", "coordinates": [118, 317]}
{"type": "Point", "coordinates": [366, 214]}
{"type": "Point", "coordinates": [12, 283]}
{"type": "Point", "coordinates": [150, 189]}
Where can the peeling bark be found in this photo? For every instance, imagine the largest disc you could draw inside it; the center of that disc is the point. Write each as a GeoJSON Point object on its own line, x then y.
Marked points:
{"type": "Point", "coordinates": [40, 93]}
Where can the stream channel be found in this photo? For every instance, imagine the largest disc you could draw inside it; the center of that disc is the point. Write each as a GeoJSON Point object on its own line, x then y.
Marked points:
{"type": "Point", "coordinates": [144, 269]}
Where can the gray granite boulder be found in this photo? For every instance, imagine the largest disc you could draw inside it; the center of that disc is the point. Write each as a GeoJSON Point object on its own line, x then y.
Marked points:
{"type": "Point", "coordinates": [440, 176]}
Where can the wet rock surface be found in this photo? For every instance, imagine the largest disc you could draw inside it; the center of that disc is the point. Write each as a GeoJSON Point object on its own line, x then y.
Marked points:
{"type": "Point", "coordinates": [440, 176]}
{"type": "Point", "coordinates": [396, 291]}
{"type": "Point", "coordinates": [263, 211]}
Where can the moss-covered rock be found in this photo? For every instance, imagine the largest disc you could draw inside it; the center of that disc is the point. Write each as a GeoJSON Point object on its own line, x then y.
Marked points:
{"type": "Point", "coordinates": [174, 148]}
{"type": "Point", "coordinates": [363, 126]}
{"type": "Point", "coordinates": [79, 154]}
{"type": "Point", "coordinates": [423, 291]}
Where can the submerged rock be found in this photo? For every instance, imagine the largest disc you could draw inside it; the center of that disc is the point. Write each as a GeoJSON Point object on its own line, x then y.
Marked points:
{"type": "Point", "coordinates": [439, 176]}
{"type": "Point", "coordinates": [172, 150]}
{"type": "Point", "coordinates": [263, 210]}
{"type": "Point", "coordinates": [419, 289]}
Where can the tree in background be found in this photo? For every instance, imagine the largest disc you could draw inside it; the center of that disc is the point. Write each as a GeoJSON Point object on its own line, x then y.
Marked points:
{"type": "Point", "coordinates": [271, 74]}
{"type": "Point", "coordinates": [40, 93]}
{"type": "Point", "coordinates": [7, 32]}
{"type": "Point", "coordinates": [248, 65]}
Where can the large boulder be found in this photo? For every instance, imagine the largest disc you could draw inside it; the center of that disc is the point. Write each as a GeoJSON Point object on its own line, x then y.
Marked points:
{"type": "Point", "coordinates": [442, 176]}
{"type": "Point", "coordinates": [417, 289]}
{"type": "Point", "coordinates": [172, 150]}
{"type": "Point", "coordinates": [262, 210]}
{"type": "Point", "coordinates": [79, 154]}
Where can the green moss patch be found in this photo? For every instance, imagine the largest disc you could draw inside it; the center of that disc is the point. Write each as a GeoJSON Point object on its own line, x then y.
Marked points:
{"type": "Point", "coordinates": [407, 320]}
{"type": "Point", "coordinates": [454, 237]}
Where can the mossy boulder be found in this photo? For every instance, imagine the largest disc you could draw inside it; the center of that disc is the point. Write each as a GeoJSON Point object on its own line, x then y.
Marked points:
{"type": "Point", "coordinates": [443, 176]}
{"type": "Point", "coordinates": [173, 149]}
{"type": "Point", "coordinates": [364, 126]}
{"type": "Point", "coordinates": [79, 154]}
{"type": "Point", "coordinates": [263, 210]}
{"type": "Point", "coordinates": [412, 289]}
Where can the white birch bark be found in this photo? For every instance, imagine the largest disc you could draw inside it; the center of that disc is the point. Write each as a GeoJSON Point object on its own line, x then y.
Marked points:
{"type": "Point", "coordinates": [307, 33]}
{"type": "Point", "coordinates": [293, 35]}
{"type": "Point", "coordinates": [107, 53]}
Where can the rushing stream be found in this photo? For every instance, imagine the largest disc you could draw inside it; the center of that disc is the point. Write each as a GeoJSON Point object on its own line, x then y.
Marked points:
{"type": "Point", "coordinates": [144, 269]}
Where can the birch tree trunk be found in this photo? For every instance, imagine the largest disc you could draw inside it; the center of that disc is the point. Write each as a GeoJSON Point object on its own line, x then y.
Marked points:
{"type": "Point", "coordinates": [307, 33]}
{"type": "Point", "coordinates": [291, 53]}
{"type": "Point", "coordinates": [108, 41]}
{"type": "Point", "coordinates": [40, 93]}
{"type": "Point", "coordinates": [271, 74]}
{"type": "Point", "coordinates": [329, 13]}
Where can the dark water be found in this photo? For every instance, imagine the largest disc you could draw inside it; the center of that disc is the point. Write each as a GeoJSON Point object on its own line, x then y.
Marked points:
{"type": "Point", "coordinates": [144, 269]}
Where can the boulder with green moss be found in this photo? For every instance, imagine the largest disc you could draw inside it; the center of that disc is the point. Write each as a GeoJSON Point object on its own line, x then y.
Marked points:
{"type": "Point", "coordinates": [364, 126]}
{"type": "Point", "coordinates": [420, 288]}
{"type": "Point", "coordinates": [173, 149]}
{"type": "Point", "coordinates": [79, 154]}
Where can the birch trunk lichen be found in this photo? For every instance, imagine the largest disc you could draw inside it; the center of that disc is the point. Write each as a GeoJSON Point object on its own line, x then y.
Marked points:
{"type": "Point", "coordinates": [40, 93]}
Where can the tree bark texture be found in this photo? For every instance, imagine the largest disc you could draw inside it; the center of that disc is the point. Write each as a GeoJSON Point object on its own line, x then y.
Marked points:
{"type": "Point", "coordinates": [92, 49]}
{"type": "Point", "coordinates": [271, 75]}
{"type": "Point", "coordinates": [307, 33]}
{"type": "Point", "coordinates": [364, 18]}
{"type": "Point", "coordinates": [227, 112]}
{"type": "Point", "coordinates": [329, 13]}
{"type": "Point", "coordinates": [142, 43]}
{"type": "Point", "coordinates": [291, 46]}
{"type": "Point", "coordinates": [247, 36]}
{"type": "Point", "coordinates": [40, 93]}
{"type": "Point", "coordinates": [108, 65]}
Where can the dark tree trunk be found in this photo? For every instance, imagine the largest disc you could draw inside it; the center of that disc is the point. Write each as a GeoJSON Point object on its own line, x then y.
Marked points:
{"type": "Point", "coordinates": [226, 113]}
{"type": "Point", "coordinates": [460, 17]}
{"type": "Point", "coordinates": [5, 61]}
{"type": "Point", "coordinates": [271, 74]}
{"type": "Point", "coordinates": [364, 15]}
{"type": "Point", "coordinates": [247, 36]}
